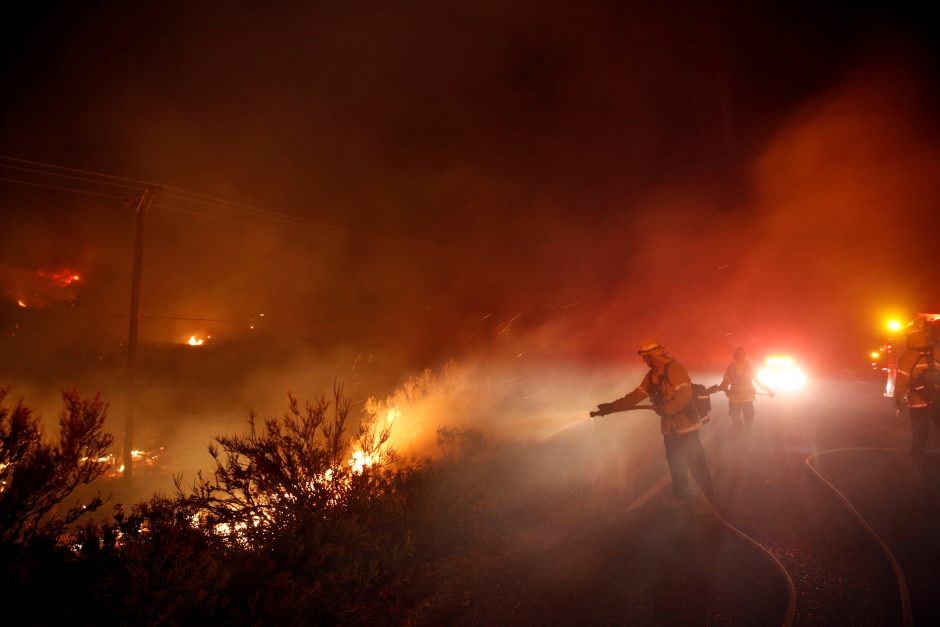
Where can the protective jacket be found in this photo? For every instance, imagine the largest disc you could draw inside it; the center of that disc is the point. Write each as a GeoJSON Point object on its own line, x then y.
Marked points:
{"type": "Point", "coordinates": [670, 388]}
{"type": "Point", "coordinates": [911, 364]}
{"type": "Point", "coordinates": [738, 382]}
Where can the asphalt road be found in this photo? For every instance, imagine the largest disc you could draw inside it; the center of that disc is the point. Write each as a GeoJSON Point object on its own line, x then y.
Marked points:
{"type": "Point", "coordinates": [616, 557]}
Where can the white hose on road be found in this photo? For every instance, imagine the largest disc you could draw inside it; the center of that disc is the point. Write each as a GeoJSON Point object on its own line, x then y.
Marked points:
{"type": "Point", "coordinates": [665, 480]}
{"type": "Point", "coordinates": [906, 617]}
{"type": "Point", "coordinates": [790, 615]}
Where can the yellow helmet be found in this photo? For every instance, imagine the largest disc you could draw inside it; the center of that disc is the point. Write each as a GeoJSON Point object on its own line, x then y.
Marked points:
{"type": "Point", "coordinates": [651, 347]}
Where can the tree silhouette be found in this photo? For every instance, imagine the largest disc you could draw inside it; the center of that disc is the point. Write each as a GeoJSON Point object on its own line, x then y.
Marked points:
{"type": "Point", "coordinates": [36, 475]}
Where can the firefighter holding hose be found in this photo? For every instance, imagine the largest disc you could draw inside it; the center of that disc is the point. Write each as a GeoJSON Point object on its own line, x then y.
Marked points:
{"type": "Point", "coordinates": [738, 385]}
{"type": "Point", "coordinates": [669, 388]}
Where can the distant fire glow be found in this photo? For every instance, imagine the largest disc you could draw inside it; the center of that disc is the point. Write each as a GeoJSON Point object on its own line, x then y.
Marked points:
{"type": "Point", "coordinates": [149, 459]}
{"type": "Point", "coordinates": [62, 278]}
{"type": "Point", "coordinates": [21, 303]}
{"type": "Point", "coordinates": [781, 373]}
{"type": "Point", "coordinates": [894, 325]}
{"type": "Point", "coordinates": [195, 341]}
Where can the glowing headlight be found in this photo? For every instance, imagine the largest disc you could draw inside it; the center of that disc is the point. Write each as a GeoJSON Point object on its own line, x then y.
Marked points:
{"type": "Point", "coordinates": [781, 374]}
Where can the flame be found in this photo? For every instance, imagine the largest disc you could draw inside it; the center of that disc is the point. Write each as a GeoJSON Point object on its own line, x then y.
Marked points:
{"type": "Point", "coordinates": [21, 303]}
{"type": "Point", "coordinates": [360, 461]}
{"type": "Point", "coordinates": [894, 325]}
{"type": "Point", "coordinates": [62, 278]}
{"type": "Point", "coordinates": [875, 354]}
{"type": "Point", "coordinates": [194, 341]}
{"type": "Point", "coordinates": [138, 458]}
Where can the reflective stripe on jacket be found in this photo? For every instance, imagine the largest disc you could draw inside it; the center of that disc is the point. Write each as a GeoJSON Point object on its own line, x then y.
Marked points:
{"type": "Point", "coordinates": [911, 364]}
{"type": "Point", "coordinates": [676, 414]}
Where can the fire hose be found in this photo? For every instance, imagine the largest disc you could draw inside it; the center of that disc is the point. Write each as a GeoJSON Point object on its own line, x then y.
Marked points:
{"type": "Point", "coordinates": [594, 414]}
{"type": "Point", "coordinates": [903, 590]}
{"type": "Point", "coordinates": [790, 614]}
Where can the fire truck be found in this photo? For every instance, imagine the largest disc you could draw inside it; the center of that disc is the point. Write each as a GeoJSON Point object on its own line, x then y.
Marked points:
{"type": "Point", "coordinates": [886, 357]}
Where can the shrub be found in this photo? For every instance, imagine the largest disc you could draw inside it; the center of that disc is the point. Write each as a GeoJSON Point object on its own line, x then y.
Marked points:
{"type": "Point", "coordinates": [290, 492]}
{"type": "Point", "coordinates": [36, 476]}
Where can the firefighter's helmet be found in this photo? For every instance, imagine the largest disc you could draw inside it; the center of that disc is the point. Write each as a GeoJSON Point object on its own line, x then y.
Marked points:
{"type": "Point", "coordinates": [739, 352]}
{"type": "Point", "coordinates": [651, 347]}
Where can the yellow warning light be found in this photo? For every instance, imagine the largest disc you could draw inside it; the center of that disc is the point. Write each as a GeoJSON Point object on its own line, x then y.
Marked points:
{"type": "Point", "coordinates": [894, 325]}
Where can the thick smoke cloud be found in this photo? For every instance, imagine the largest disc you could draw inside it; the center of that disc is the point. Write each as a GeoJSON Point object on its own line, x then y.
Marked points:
{"type": "Point", "coordinates": [522, 192]}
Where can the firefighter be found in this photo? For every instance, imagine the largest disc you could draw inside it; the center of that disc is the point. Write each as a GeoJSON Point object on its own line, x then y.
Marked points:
{"type": "Point", "coordinates": [918, 357]}
{"type": "Point", "coordinates": [669, 388]}
{"type": "Point", "coordinates": [738, 385]}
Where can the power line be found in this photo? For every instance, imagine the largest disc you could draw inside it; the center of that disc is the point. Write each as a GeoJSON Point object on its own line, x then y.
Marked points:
{"type": "Point", "coordinates": [31, 311]}
{"type": "Point", "coordinates": [64, 189]}
{"type": "Point", "coordinates": [90, 172]}
{"type": "Point", "coordinates": [221, 218]}
{"type": "Point", "coordinates": [329, 230]}
{"type": "Point", "coordinates": [263, 213]}
{"type": "Point", "coordinates": [174, 192]}
{"type": "Point", "coordinates": [182, 194]}
{"type": "Point", "coordinates": [67, 176]}
{"type": "Point", "coordinates": [285, 222]}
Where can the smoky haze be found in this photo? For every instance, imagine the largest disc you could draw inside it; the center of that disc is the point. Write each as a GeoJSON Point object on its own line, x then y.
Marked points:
{"type": "Point", "coordinates": [508, 198]}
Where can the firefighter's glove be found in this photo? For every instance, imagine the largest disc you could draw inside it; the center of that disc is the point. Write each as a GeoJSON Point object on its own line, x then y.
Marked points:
{"type": "Point", "coordinates": [605, 408]}
{"type": "Point", "coordinates": [713, 388]}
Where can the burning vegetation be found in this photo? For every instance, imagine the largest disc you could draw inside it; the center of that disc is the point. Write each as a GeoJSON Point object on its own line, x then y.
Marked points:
{"type": "Point", "coordinates": [305, 519]}
{"type": "Point", "coordinates": [36, 475]}
{"type": "Point", "coordinates": [300, 471]}
{"type": "Point", "coordinates": [38, 288]}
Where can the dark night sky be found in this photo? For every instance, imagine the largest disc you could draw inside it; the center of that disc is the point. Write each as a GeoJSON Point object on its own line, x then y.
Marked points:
{"type": "Point", "coordinates": [594, 172]}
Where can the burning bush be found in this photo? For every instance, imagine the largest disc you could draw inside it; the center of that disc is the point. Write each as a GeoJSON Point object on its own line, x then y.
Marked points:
{"type": "Point", "coordinates": [324, 507]}
{"type": "Point", "coordinates": [36, 476]}
{"type": "Point", "coordinates": [296, 472]}
{"type": "Point", "coordinates": [305, 520]}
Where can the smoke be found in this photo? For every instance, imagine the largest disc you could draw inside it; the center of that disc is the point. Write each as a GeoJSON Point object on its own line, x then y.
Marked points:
{"type": "Point", "coordinates": [518, 199]}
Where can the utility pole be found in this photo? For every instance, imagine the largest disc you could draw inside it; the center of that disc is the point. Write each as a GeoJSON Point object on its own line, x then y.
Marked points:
{"type": "Point", "coordinates": [143, 203]}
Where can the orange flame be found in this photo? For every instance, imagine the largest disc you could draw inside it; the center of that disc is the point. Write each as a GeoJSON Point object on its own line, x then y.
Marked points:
{"type": "Point", "coordinates": [360, 461]}
{"type": "Point", "coordinates": [61, 278]}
